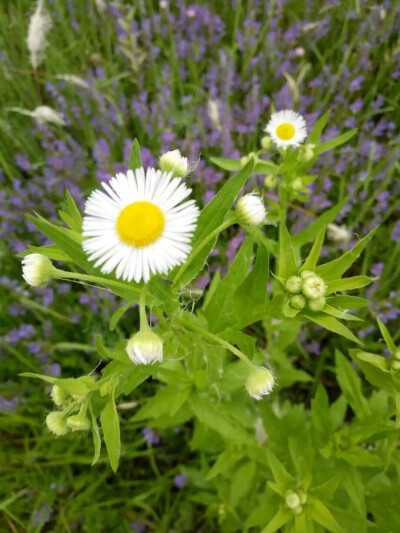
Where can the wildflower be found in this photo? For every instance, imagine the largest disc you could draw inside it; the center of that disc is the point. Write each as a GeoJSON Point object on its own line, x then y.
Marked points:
{"type": "Point", "coordinates": [180, 480]}
{"type": "Point", "coordinates": [42, 114]}
{"type": "Point", "coordinates": [313, 287]}
{"type": "Point", "coordinates": [139, 226]}
{"type": "Point", "coordinates": [79, 422]}
{"type": "Point", "coordinates": [260, 382]}
{"type": "Point", "coordinates": [293, 284]}
{"type": "Point", "coordinates": [144, 348]}
{"type": "Point", "coordinates": [173, 162]}
{"type": "Point", "coordinates": [39, 27]}
{"type": "Point", "coordinates": [37, 270]}
{"type": "Point", "coordinates": [213, 113]}
{"type": "Point", "coordinates": [287, 128]}
{"type": "Point", "coordinates": [74, 80]}
{"type": "Point", "coordinates": [338, 233]}
{"type": "Point", "coordinates": [250, 210]}
{"type": "Point", "coordinates": [56, 423]}
{"type": "Point", "coordinates": [151, 437]}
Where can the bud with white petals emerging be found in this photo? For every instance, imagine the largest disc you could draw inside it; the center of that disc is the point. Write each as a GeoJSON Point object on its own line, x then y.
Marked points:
{"type": "Point", "coordinates": [56, 423]}
{"type": "Point", "coordinates": [250, 210]}
{"type": "Point", "coordinates": [313, 287]}
{"type": "Point", "coordinates": [39, 27]}
{"type": "Point", "coordinates": [293, 284]}
{"type": "Point", "coordinates": [173, 162]}
{"type": "Point", "coordinates": [260, 382]}
{"type": "Point", "coordinates": [79, 422]}
{"type": "Point", "coordinates": [37, 270]}
{"type": "Point", "coordinates": [292, 499]}
{"type": "Point", "coordinates": [338, 233]}
{"type": "Point", "coordinates": [145, 348]}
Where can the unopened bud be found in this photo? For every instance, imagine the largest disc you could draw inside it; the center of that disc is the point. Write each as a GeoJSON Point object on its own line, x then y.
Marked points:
{"type": "Point", "coordinates": [298, 302]}
{"type": "Point", "coordinates": [306, 274]}
{"type": "Point", "coordinates": [396, 354]}
{"type": "Point", "coordinates": [314, 287]}
{"type": "Point", "coordinates": [293, 284]}
{"type": "Point", "coordinates": [266, 143]}
{"type": "Point", "coordinates": [292, 499]}
{"type": "Point", "coordinates": [250, 210]}
{"type": "Point", "coordinates": [317, 305]}
{"type": "Point", "coordinates": [306, 153]}
{"type": "Point", "coordinates": [270, 181]}
{"type": "Point", "coordinates": [37, 270]}
{"type": "Point", "coordinates": [173, 162]}
{"type": "Point", "coordinates": [145, 348]}
{"type": "Point", "coordinates": [78, 422]}
{"type": "Point", "coordinates": [56, 423]}
{"type": "Point", "coordinates": [58, 395]}
{"type": "Point", "coordinates": [297, 184]}
{"type": "Point", "coordinates": [260, 382]}
{"type": "Point", "coordinates": [396, 365]}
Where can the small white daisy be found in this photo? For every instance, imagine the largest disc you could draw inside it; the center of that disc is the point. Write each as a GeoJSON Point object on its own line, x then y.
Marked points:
{"type": "Point", "coordinates": [139, 226]}
{"type": "Point", "coordinates": [287, 128]}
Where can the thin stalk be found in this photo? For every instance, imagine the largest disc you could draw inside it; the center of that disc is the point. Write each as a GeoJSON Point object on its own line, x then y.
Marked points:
{"type": "Point", "coordinates": [144, 324]}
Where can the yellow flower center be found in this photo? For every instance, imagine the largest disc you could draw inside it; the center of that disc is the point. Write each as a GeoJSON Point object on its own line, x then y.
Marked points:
{"type": "Point", "coordinates": [285, 131]}
{"type": "Point", "coordinates": [140, 224]}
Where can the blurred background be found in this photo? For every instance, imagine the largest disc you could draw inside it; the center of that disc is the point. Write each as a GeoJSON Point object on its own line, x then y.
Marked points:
{"type": "Point", "coordinates": [202, 77]}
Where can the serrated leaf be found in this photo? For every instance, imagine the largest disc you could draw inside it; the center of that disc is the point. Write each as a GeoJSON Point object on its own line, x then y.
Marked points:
{"type": "Point", "coordinates": [311, 262]}
{"type": "Point", "coordinates": [135, 159]}
{"type": "Point", "coordinates": [350, 384]}
{"type": "Point", "coordinates": [287, 265]}
{"type": "Point", "coordinates": [387, 337]}
{"type": "Point", "coordinates": [348, 284]}
{"type": "Point", "coordinates": [331, 324]}
{"type": "Point", "coordinates": [308, 235]}
{"type": "Point", "coordinates": [336, 268]}
{"type": "Point", "coordinates": [210, 218]}
{"type": "Point", "coordinates": [111, 432]}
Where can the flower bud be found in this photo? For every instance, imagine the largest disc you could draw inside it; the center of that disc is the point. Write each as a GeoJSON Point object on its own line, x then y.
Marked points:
{"type": "Point", "coordinates": [338, 233]}
{"type": "Point", "coordinates": [37, 270]}
{"type": "Point", "coordinates": [58, 395]}
{"type": "Point", "coordinates": [145, 348]}
{"type": "Point", "coordinates": [173, 162]}
{"type": "Point", "coordinates": [298, 302]}
{"type": "Point", "coordinates": [250, 210]}
{"type": "Point", "coordinates": [260, 382]}
{"type": "Point", "coordinates": [293, 284]}
{"type": "Point", "coordinates": [56, 423]}
{"type": "Point", "coordinates": [314, 287]}
{"type": "Point", "coordinates": [317, 305]}
{"type": "Point", "coordinates": [78, 422]}
{"type": "Point", "coordinates": [396, 365]}
{"type": "Point", "coordinates": [292, 499]}
{"type": "Point", "coordinates": [306, 274]}
{"type": "Point", "coordinates": [297, 184]}
{"type": "Point", "coordinates": [270, 181]}
{"type": "Point", "coordinates": [306, 153]}
{"type": "Point", "coordinates": [396, 354]}
{"type": "Point", "coordinates": [266, 143]}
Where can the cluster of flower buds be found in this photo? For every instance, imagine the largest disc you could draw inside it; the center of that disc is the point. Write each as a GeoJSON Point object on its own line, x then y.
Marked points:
{"type": "Point", "coordinates": [60, 422]}
{"type": "Point", "coordinates": [295, 501]}
{"type": "Point", "coordinates": [306, 289]}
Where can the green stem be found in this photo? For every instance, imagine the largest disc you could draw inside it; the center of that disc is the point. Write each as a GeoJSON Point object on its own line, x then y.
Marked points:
{"type": "Point", "coordinates": [144, 324]}
{"type": "Point", "coordinates": [221, 342]}
{"type": "Point", "coordinates": [228, 222]}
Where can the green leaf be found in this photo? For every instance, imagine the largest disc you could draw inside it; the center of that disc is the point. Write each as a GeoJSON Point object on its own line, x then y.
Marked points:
{"type": "Point", "coordinates": [96, 438]}
{"type": "Point", "coordinates": [287, 265]}
{"type": "Point", "coordinates": [316, 132]}
{"type": "Point", "coordinates": [376, 370]}
{"type": "Point", "coordinates": [135, 159]}
{"type": "Point", "coordinates": [225, 461]}
{"type": "Point", "coordinates": [331, 324]}
{"type": "Point", "coordinates": [118, 314]}
{"type": "Point", "coordinates": [110, 425]}
{"type": "Point", "coordinates": [210, 218]}
{"type": "Point", "coordinates": [348, 303]}
{"type": "Point", "coordinates": [387, 337]}
{"type": "Point", "coordinates": [280, 519]}
{"type": "Point", "coordinates": [266, 167]}
{"type": "Point", "coordinates": [333, 143]}
{"type": "Point", "coordinates": [348, 284]}
{"type": "Point", "coordinates": [51, 251]}
{"type": "Point", "coordinates": [310, 233]}
{"type": "Point", "coordinates": [80, 386]}
{"type": "Point", "coordinates": [311, 262]}
{"type": "Point", "coordinates": [343, 315]}
{"type": "Point", "coordinates": [74, 212]}
{"type": "Point", "coordinates": [350, 383]}
{"type": "Point", "coordinates": [321, 514]}
{"type": "Point", "coordinates": [118, 353]}
{"type": "Point", "coordinates": [162, 403]}
{"type": "Point", "coordinates": [226, 164]}
{"type": "Point", "coordinates": [279, 472]}
{"type": "Point", "coordinates": [242, 482]}
{"type": "Point", "coordinates": [336, 268]}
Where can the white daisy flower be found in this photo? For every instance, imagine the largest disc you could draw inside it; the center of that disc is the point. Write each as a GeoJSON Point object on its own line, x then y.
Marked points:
{"type": "Point", "coordinates": [287, 128]}
{"type": "Point", "coordinates": [139, 226]}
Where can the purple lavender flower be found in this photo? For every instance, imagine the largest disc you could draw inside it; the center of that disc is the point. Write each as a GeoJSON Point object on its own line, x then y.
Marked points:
{"type": "Point", "coordinates": [151, 437]}
{"type": "Point", "coordinates": [180, 481]}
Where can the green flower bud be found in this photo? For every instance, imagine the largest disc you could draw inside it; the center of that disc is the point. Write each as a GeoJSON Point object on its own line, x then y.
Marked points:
{"type": "Point", "coordinates": [244, 160]}
{"type": "Point", "coordinates": [250, 210]}
{"type": "Point", "coordinates": [298, 302]}
{"type": "Point", "coordinates": [313, 287]}
{"type": "Point", "coordinates": [58, 395]}
{"type": "Point", "coordinates": [317, 305]}
{"type": "Point", "coordinates": [297, 184]}
{"type": "Point", "coordinates": [78, 422]}
{"type": "Point", "coordinates": [266, 143]}
{"type": "Point", "coordinates": [307, 152]}
{"type": "Point", "coordinates": [270, 181]}
{"type": "Point", "coordinates": [145, 348]}
{"type": "Point", "coordinates": [56, 423]}
{"type": "Point", "coordinates": [298, 510]}
{"type": "Point", "coordinates": [396, 354]}
{"type": "Point", "coordinates": [37, 270]}
{"type": "Point", "coordinates": [173, 162]}
{"type": "Point", "coordinates": [293, 284]}
{"type": "Point", "coordinates": [292, 499]}
{"type": "Point", "coordinates": [396, 365]}
{"type": "Point", "coordinates": [260, 382]}
{"type": "Point", "coordinates": [306, 274]}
